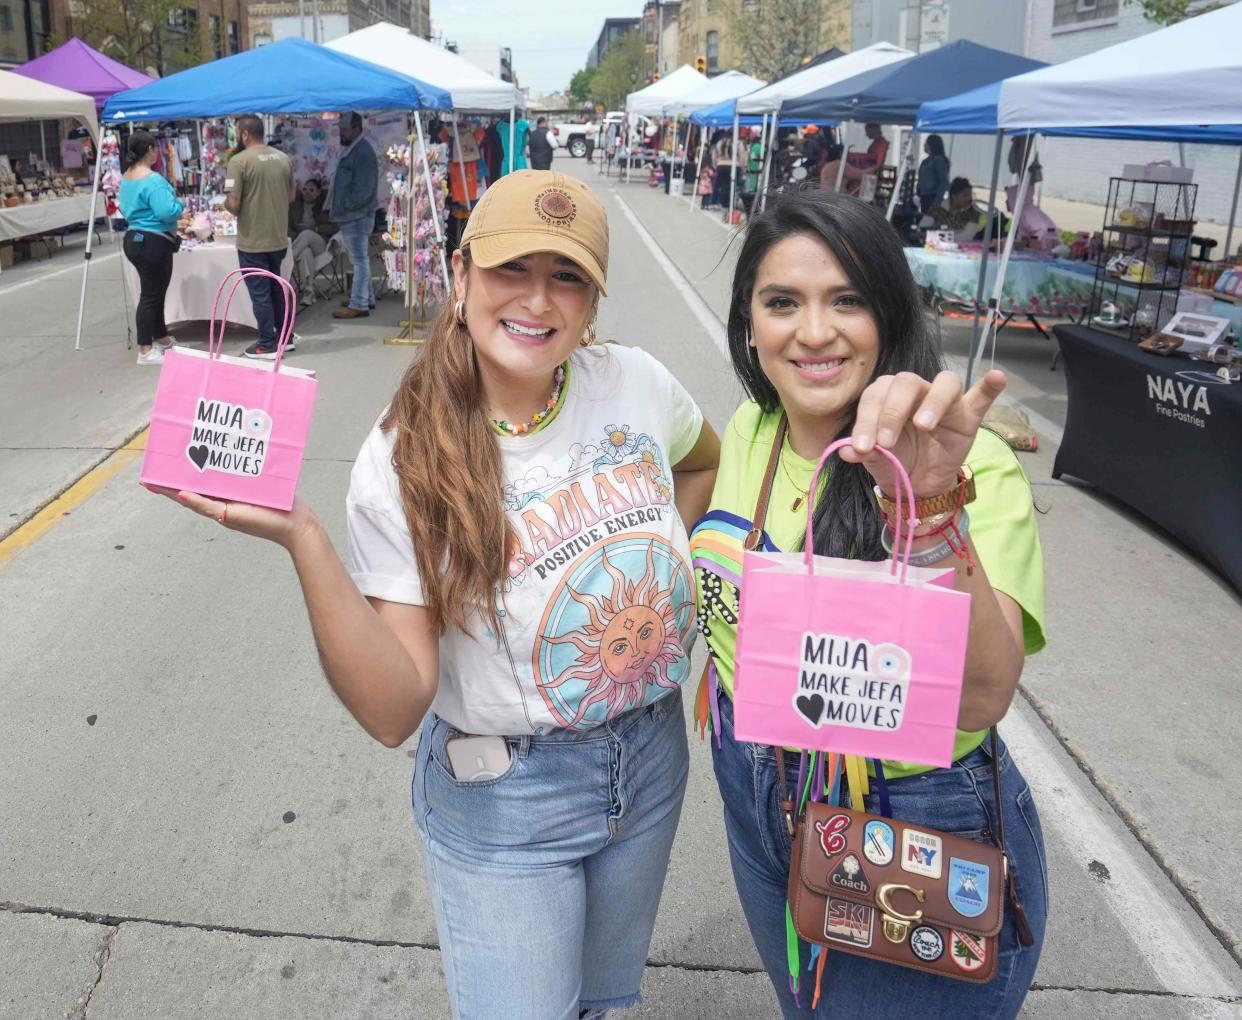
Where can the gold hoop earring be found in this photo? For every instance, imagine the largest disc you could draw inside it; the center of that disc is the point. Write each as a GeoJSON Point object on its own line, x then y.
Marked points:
{"type": "Point", "coordinates": [589, 339]}
{"type": "Point", "coordinates": [459, 312]}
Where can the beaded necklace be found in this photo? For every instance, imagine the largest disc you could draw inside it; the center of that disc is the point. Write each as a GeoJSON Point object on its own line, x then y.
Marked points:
{"type": "Point", "coordinates": [539, 417]}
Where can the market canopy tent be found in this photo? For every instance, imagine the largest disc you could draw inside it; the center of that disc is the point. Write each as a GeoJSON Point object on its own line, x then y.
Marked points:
{"type": "Point", "coordinates": [721, 115]}
{"type": "Point", "coordinates": [892, 94]}
{"type": "Point", "coordinates": [1189, 73]}
{"type": "Point", "coordinates": [722, 88]}
{"type": "Point", "coordinates": [24, 98]}
{"type": "Point", "coordinates": [975, 113]}
{"type": "Point", "coordinates": [398, 49]}
{"type": "Point", "coordinates": [290, 76]}
{"type": "Point", "coordinates": [76, 66]}
{"type": "Point", "coordinates": [818, 76]}
{"type": "Point", "coordinates": [652, 100]}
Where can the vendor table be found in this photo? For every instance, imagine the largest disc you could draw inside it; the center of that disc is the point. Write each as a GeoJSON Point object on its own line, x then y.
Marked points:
{"type": "Point", "coordinates": [197, 274]}
{"type": "Point", "coordinates": [1035, 285]}
{"type": "Point", "coordinates": [44, 217]}
{"type": "Point", "coordinates": [1160, 434]}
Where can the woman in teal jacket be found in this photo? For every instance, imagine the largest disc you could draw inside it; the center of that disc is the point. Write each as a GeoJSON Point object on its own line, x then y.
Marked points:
{"type": "Point", "coordinates": [151, 210]}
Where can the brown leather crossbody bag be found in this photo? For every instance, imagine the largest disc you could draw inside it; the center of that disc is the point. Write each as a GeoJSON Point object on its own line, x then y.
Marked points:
{"type": "Point", "coordinates": [878, 887]}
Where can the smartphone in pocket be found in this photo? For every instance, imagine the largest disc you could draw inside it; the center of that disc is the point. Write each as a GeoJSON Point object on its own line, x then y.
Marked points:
{"type": "Point", "coordinates": [474, 758]}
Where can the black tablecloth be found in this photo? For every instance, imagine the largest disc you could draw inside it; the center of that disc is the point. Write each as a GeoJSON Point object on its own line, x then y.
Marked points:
{"type": "Point", "coordinates": [1163, 435]}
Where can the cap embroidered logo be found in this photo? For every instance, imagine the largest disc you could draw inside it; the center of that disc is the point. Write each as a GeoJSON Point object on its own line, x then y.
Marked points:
{"type": "Point", "coordinates": [555, 207]}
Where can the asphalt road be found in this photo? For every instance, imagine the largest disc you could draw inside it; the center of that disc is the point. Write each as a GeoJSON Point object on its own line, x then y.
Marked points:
{"type": "Point", "coordinates": [192, 826]}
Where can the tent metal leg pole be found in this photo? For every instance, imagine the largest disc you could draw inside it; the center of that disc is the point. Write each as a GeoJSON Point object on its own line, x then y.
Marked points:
{"type": "Point", "coordinates": [90, 233]}
{"type": "Point", "coordinates": [685, 153]}
{"type": "Point", "coordinates": [907, 154]}
{"type": "Point", "coordinates": [766, 182]}
{"type": "Point", "coordinates": [1233, 209]}
{"type": "Point", "coordinates": [461, 166]}
{"type": "Point", "coordinates": [512, 136]}
{"type": "Point", "coordinates": [983, 257]}
{"type": "Point", "coordinates": [845, 155]}
{"type": "Point", "coordinates": [431, 203]}
{"type": "Point", "coordinates": [728, 218]}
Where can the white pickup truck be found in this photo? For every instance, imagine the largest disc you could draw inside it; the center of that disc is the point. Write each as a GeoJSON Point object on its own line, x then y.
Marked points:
{"type": "Point", "coordinates": [574, 136]}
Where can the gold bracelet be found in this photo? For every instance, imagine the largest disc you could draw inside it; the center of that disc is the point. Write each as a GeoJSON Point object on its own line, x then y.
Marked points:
{"type": "Point", "coordinates": [928, 506]}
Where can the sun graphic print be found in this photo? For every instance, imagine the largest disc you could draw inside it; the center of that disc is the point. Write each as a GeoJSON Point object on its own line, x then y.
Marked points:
{"type": "Point", "coordinates": [613, 636]}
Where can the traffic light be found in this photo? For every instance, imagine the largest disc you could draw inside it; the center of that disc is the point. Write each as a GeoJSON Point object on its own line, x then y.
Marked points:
{"type": "Point", "coordinates": [700, 64]}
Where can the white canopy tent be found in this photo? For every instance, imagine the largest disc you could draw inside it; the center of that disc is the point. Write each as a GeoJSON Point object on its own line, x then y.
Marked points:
{"type": "Point", "coordinates": [818, 76]}
{"type": "Point", "coordinates": [729, 85]}
{"type": "Point", "coordinates": [23, 98]}
{"type": "Point", "coordinates": [652, 100]}
{"type": "Point", "coordinates": [1188, 73]}
{"type": "Point", "coordinates": [396, 48]}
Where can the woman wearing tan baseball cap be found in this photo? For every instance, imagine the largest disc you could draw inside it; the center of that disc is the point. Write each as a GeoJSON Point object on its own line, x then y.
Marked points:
{"type": "Point", "coordinates": [519, 586]}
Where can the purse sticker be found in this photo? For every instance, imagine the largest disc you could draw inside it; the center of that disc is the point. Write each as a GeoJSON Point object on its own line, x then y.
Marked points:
{"type": "Point", "coordinates": [229, 438]}
{"type": "Point", "coordinates": [968, 952]}
{"type": "Point", "coordinates": [851, 682]}
{"type": "Point", "coordinates": [927, 943]}
{"type": "Point", "coordinates": [830, 839]}
{"type": "Point", "coordinates": [878, 843]}
{"type": "Point", "coordinates": [849, 875]}
{"type": "Point", "coordinates": [920, 854]}
{"type": "Point", "coordinates": [850, 923]}
{"type": "Point", "coordinates": [968, 887]}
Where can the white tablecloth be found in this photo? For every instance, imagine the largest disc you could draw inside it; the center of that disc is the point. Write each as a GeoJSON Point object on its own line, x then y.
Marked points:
{"type": "Point", "coordinates": [38, 217]}
{"type": "Point", "coordinates": [197, 274]}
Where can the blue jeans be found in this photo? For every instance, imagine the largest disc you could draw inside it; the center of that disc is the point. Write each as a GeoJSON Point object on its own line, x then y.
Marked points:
{"type": "Point", "coordinates": [957, 800]}
{"type": "Point", "coordinates": [546, 880]}
{"type": "Point", "coordinates": [267, 296]}
{"type": "Point", "coordinates": [355, 235]}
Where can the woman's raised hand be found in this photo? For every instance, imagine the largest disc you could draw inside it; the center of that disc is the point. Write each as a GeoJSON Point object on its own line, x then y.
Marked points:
{"type": "Point", "coordinates": [279, 526]}
{"type": "Point", "coordinates": [930, 426]}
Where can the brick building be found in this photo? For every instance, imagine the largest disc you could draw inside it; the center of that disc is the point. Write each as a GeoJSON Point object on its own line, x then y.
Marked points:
{"type": "Point", "coordinates": [705, 29]}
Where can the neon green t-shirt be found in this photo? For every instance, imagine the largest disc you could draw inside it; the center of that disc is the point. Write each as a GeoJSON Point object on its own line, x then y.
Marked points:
{"type": "Point", "coordinates": [1002, 527]}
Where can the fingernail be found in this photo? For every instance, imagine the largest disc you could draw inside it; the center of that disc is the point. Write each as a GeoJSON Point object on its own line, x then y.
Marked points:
{"type": "Point", "coordinates": [862, 441]}
{"type": "Point", "coordinates": [923, 418]}
{"type": "Point", "coordinates": [181, 496]}
{"type": "Point", "coordinates": [887, 437]}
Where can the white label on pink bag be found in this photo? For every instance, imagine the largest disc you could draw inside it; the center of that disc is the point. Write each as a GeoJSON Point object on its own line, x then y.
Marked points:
{"type": "Point", "coordinates": [850, 682]}
{"type": "Point", "coordinates": [229, 438]}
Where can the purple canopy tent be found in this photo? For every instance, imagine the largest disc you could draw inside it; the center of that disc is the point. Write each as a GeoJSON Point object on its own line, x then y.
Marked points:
{"type": "Point", "coordinates": [78, 67]}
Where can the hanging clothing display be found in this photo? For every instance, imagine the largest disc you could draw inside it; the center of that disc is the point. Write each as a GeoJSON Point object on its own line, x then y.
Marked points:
{"type": "Point", "coordinates": [521, 133]}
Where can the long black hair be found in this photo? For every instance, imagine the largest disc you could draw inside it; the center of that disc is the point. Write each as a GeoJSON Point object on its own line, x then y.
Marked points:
{"type": "Point", "coordinates": [847, 520]}
{"type": "Point", "coordinates": [936, 144]}
{"type": "Point", "coordinates": [139, 145]}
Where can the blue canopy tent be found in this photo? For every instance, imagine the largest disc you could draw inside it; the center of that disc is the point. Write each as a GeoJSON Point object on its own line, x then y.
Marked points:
{"type": "Point", "coordinates": [721, 115]}
{"type": "Point", "coordinates": [975, 112]}
{"type": "Point", "coordinates": [290, 76]}
{"type": "Point", "coordinates": [892, 94]}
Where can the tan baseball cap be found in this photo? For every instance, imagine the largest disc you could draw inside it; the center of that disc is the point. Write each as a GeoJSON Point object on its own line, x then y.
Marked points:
{"type": "Point", "coordinates": [530, 211]}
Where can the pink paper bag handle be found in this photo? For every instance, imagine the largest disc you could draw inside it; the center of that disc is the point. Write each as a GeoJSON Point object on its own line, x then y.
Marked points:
{"type": "Point", "coordinates": [215, 340]}
{"type": "Point", "coordinates": [905, 489]}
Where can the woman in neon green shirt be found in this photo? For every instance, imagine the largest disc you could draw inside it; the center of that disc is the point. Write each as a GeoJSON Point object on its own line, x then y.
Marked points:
{"type": "Point", "coordinates": [828, 338]}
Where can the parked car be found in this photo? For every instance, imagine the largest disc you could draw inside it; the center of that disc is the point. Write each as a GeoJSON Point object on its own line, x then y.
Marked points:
{"type": "Point", "coordinates": [573, 136]}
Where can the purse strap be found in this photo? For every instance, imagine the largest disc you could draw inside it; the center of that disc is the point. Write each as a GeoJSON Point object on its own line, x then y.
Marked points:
{"type": "Point", "coordinates": [788, 800]}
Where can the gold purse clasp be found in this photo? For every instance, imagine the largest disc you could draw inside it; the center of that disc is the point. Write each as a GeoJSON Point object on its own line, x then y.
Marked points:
{"type": "Point", "coordinates": [897, 924]}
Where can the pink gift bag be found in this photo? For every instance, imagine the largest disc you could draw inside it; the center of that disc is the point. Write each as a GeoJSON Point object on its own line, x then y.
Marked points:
{"type": "Point", "coordinates": [228, 427]}
{"type": "Point", "coordinates": [851, 656]}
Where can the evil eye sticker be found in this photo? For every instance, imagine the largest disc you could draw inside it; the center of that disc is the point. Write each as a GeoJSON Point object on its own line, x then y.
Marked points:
{"type": "Point", "coordinates": [927, 943]}
{"type": "Point", "coordinates": [257, 424]}
{"type": "Point", "coordinates": [892, 661]}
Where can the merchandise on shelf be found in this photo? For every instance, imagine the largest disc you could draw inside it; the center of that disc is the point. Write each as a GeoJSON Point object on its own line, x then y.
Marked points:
{"type": "Point", "coordinates": [421, 268]}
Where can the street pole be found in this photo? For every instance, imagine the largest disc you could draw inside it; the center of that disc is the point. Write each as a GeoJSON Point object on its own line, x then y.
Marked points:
{"type": "Point", "coordinates": [983, 256]}
{"type": "Point", "coordinates": [1233, 209]}
{"type": "Point", "coordinates": [301, 19]}
{"type": "Point", "coordinates": [733, 175]}
{"type": "Point", "coordinates": [315, 20]}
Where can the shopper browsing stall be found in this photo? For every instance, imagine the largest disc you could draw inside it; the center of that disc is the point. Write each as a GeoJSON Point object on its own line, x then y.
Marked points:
{"type": "Point", "coordinates": [259, 186]}
{"type": "Point", "coordinates": [355, 197]}
{"type": "Point", "coordinates": [151, 210]}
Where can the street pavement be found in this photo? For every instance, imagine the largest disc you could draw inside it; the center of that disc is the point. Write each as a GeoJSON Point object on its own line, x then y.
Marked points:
{"type": "Point", "coordinates": [192, 826]}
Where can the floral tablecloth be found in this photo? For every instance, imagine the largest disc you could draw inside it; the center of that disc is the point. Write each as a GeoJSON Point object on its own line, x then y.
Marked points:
{"type": "Point", "coordinates": [1034, 284]}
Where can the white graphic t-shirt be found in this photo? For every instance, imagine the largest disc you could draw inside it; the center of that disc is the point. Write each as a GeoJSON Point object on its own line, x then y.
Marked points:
{"type": "Point", "coordinates": [598, 608]}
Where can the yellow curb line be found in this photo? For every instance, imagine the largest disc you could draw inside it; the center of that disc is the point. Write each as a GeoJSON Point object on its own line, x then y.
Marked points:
{"type": "Point", "coordinates": [73, 497]}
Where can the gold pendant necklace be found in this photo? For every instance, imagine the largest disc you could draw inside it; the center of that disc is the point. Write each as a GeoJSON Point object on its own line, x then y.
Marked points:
{"type": "Point", "coordinates": [797, 503]}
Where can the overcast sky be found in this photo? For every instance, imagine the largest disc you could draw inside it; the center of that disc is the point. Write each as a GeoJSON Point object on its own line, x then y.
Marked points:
{"type": "Point", "coordinates": [549, 38]}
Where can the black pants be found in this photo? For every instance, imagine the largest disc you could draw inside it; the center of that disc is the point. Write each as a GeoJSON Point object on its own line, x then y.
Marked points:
{"type": "Point", "coordinates": [590, 153]}
{"type": "Point", "coordinates": [152, 255]}
{"type": "Point", "coordinates": [541, 164]}
{"type": "Point", "coordinates": [724, 177]}
{"type": "Point", "coordinates": [266, 295]}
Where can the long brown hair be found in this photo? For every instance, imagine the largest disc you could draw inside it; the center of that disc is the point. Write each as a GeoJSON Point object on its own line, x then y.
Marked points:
{"type": "Point", "coordinates": [447, 461]}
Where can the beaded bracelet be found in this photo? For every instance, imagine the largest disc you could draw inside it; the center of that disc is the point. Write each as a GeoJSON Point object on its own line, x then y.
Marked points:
{"type": "Point", "coordinates": [940, 550]}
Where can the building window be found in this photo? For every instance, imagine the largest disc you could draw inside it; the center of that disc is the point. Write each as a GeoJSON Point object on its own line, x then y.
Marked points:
{"type": "Point", "coordinates": [217, 39]}
{"type": "Point", "coordinates": [1073, 12]}
{"type": "Point", "coordinates": [234, 38]}
{"type": "Point", "coordinates": [713, 52]}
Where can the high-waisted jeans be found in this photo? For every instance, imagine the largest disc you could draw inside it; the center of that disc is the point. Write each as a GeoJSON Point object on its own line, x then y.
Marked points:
{"type": "Point", "coordinates": [546, 880]}
{"type": "Point", "coordinates": [958, 800]}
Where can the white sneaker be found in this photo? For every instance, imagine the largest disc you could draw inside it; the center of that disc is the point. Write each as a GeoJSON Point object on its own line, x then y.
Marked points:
{"type": "Point", "coordinates": [172, 342]}
{"type": "Point", "coordinates": [154, 356]}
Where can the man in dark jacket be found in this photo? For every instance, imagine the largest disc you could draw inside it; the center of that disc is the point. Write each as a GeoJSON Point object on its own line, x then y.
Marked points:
{"type": "Point", "coordinates": [540, 146]}
{"type": "Point", "coordinates": [355, 197]}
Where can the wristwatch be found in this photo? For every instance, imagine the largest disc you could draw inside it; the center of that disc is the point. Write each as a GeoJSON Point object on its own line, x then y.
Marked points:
{"type": "Point", "coordinates": [943, 503]}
